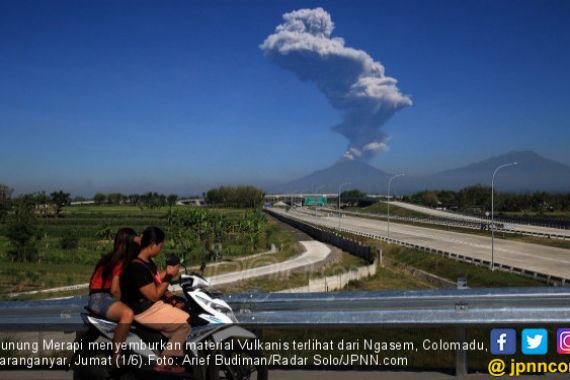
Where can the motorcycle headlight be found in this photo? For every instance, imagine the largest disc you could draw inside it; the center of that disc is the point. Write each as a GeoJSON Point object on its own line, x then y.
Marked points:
{"type": "Point", "coordinates": [224, 310]}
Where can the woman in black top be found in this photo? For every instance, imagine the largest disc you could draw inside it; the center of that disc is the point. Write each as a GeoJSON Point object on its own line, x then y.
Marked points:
{"type": "Point", "coordinates": [142, 288]}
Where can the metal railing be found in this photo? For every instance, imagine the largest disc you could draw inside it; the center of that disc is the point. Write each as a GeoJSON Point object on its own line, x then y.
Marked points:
{"type": "Point", "coordinates": [451, 308]}
{"type": "Point", "coordinates": [403, 308]}
{"type": "Point", "coordinates": [408, 308]}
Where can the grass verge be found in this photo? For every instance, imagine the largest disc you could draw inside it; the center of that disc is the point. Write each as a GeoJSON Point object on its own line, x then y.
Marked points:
{"type": "Point", "coordinates": [285, 242]}
{"type": "Point", "coordinates": [282, 281]}
{"type": "Point", "coordinates": [381, 208]}
{"type": "Point", "coordinates": [477, 277]}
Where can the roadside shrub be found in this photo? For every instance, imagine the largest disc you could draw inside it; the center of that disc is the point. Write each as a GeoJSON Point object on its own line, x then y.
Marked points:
{"type": "Point", "coordinates": [105, 233]}
{"type": "Point", "coordinates": [69, 240]}
{"type": "Point", "coordinates": [23, 233]}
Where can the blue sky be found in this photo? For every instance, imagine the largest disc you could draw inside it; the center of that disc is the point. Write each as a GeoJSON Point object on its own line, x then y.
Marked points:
{"type": "Point", "coordinates": [177, 95]}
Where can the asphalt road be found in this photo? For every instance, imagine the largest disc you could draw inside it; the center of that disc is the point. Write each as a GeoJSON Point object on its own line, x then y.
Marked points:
{"type": "Point", "coordinates": [542, 259]}
{"type": "Point", "coordinates": [315, 252]}
{"type": "Point", "coordinates": [455, 216]}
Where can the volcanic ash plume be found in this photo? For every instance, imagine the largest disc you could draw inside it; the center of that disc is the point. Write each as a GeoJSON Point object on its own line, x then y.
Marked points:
{"type": "Point", "coordinates": [351, 80]}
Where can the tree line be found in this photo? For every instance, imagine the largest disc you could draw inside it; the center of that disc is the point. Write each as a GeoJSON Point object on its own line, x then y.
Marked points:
{"type": "Point", "coordinates": [41, 201]}
{"type": "Point", "coordinates": [235, 197]}
{"type": "Point", "coordinates": [478, 199]}
{"type": "Point", "coordinates": [352, 194]}
{"type": "Point", "coordinates": [225, 196]}
{"type": "Point", "coordinates": [146, 200]}
{"type": "Point", "coordinates": [19, 214]}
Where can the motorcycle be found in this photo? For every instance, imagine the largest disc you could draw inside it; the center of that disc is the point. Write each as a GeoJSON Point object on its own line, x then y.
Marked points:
{"type": "Point", "coordinates": [213, 338]}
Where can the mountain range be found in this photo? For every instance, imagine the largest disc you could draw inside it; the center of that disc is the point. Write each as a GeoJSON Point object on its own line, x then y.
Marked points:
{"type": "Point", "coordinates": [532, 173]}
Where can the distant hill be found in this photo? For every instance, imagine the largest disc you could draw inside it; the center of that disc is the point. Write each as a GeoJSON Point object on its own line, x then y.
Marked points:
{"type": "Point", "coordinates": [360, 175]}
{"type": "Point", "coordinates": [533, 173]}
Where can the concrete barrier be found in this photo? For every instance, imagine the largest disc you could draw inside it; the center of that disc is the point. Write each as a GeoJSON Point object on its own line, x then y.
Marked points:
{"type": "Point", "coordinates": [336, 282]}
{"type": "Point", "coordinates": [346, 244]}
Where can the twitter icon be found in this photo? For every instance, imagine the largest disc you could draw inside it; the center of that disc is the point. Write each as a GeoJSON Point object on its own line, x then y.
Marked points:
{"type": "Point", "coordinates": [534, 341]}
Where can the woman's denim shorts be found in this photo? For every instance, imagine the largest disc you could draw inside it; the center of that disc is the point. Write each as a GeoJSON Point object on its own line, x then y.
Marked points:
{"type": "Point", "coordinates": [101, 302]}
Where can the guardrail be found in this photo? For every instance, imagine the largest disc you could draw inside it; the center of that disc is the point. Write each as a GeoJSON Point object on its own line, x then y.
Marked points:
{"type": "Point", "coordinates": [402, 308]}
{"type": "Point", "coordinates": [353, 246]}
{"type": "Point", "coordinates": [455, 308]}
{"type": "Point", "coordinates": [409, 308]}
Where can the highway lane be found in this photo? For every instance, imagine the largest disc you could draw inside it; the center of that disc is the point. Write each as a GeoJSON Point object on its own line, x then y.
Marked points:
{"type": "Point", "coordinates": [542, 259]}
{"type": "Point", "coordinates": [455, 216]}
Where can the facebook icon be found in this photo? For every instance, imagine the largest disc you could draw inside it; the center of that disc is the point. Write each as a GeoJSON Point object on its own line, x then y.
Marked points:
{"type": "Point", "coordinates": [503, 341]}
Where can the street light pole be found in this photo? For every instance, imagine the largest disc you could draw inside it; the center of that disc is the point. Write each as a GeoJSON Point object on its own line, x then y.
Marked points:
{"type": "Point", "coordinates": [340, 186]}
{"type": "Point", "coordinates": [300, 193]}
{"type": "Point", "coordinates": [388, 203]}
{"type": "Point", "coordinates": [315, 192]}
{"type": "Point", "coordinates": [493, 211]}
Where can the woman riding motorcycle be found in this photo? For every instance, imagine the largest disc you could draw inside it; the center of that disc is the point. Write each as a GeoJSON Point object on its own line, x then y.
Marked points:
{"type": "Point", "coordinates": [142, 288]}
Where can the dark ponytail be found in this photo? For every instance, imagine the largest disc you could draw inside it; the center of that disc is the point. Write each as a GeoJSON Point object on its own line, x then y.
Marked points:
{"type": "Point", "coordinates": [124, 248]}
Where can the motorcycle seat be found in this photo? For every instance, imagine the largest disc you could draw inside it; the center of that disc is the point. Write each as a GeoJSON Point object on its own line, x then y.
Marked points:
{"type": "Point", "coordinates": [95, 314]}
